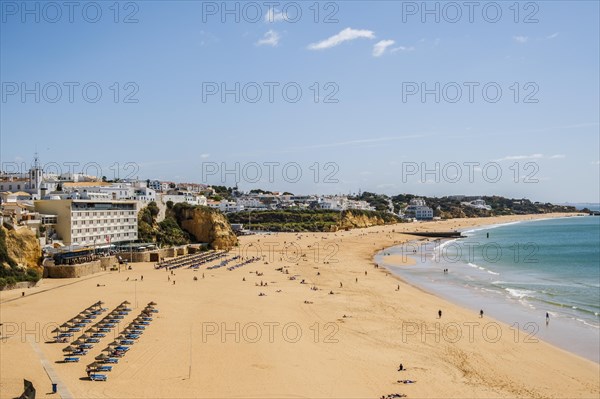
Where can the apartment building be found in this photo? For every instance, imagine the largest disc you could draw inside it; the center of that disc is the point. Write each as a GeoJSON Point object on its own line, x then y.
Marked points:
{"type": "Point", "coordinates": [89, 222]}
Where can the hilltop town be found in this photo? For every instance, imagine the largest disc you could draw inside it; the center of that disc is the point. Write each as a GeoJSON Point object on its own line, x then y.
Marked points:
{"type": "Point", "coordinates": [74, 211]}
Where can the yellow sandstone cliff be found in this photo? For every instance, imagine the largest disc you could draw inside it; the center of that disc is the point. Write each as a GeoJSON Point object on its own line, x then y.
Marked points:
{"type": "Point", "coordinates": [23, 247]}
{"type": "Point", "coordinates": [209, 226]}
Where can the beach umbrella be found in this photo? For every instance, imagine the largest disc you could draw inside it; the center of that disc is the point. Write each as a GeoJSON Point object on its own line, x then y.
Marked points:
{"type": "Point", "coordinates": [93, 365]}
{"type": "Point", "coordinates": [56, 330]}
{"type": "Point", "coordinates": [101, 356]}
{"type": "Point", "coordinates": [65, 325]}
{"type": "Point", "coordinates": [78, 342]}
{"type": "Point", "coordinates": [114, 343]}
{"type": "Point", "coordinates": [125, 303]}
{"type": "Point", "coordinates": [153, 303]}
{"type": "Point", "coordinates": [69, 349]}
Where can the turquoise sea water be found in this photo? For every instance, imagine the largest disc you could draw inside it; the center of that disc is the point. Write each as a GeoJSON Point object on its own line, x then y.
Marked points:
{"type": "Point", "coordinates": [519, 271]}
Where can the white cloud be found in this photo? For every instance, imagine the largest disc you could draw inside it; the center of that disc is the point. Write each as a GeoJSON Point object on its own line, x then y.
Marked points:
{"type": "Point", "coordinates": [521, 39]}
{"type": "Point", "coordinates": [380, 47]}
{"type": "Point", "coordinates": [271, 38]}
{"type": "Point", "coordinates": [402, 48]}
{"type": "Point", "coordinates": [344, 36]}
{"type": "Point", "coordinates": [552, 36]}
{"type": "Point", "coordinates": [520, 157]}
{"type": "Point", "coordinates": [274, 15]}
{"type": "Point", "coordinates": [595, 162]}
{"type": "Point", "coordinates": [529, 157]}
{"type": "Point", "coordinates": [207, 38]}
{"type": "Point", "coordinates": [204, 155]}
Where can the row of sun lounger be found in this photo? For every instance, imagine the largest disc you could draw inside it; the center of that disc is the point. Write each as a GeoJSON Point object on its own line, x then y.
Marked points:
{"type": "Point", "coordinates": [121, 345]}
{"type": "Point", "coordinates": [244, 263]}
{"type": "Point", "coordinates": [196, 265]}
{"type": "Point", "coordinates": [223, 263]}
{"type": "Point", "coordinates": [68, 328]}
{"type": "Point", "coordinates": [94, 334]}
{"type": "Point", "coordinates": [189, 261]}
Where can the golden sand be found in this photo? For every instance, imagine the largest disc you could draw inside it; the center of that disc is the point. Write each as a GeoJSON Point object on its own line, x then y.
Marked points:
{"type": "Point", "coordinates": [216, 337]}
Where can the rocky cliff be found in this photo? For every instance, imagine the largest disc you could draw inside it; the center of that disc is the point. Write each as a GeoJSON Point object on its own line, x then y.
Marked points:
{"type": "Point", "coordinates": [207, 225]}
{"type": "Point", "coordinates": [23, 247]}
{"type": "Point", "coordinates": [354, 220]}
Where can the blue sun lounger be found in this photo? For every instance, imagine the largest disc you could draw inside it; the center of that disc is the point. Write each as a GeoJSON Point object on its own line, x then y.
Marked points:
{"type": "Point", "coordinates": [126, 342]}
{"type": "Point", "coordinates": [98, 377]}
{"type": "Point", "coordinates": [132, 336]}
{"type": "Point", "coordinates": [122, 348]}
{"type": "Point", "coordinates": [85, 346]}
{"type": "Point", "coordinates": [104, 368]}
{"type": "Point", "coordinates": [111, 360]}
{"type": "Point", "coordinates": [98, 335]}
{"type": "Point", "coordinates": [65, 335]}
{"type": "Point", "coordinates": [138, 326]}
{"type": "Point", "coordinates": [80, 352]}
{"type": "Point", "coordinates": [71, 359]}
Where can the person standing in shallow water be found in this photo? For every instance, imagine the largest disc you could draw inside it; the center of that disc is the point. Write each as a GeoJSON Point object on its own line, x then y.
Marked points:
{"type": "Point", "coordinates": [547, 318]}
{"type": "Point", "coordinates": [481, 313]}
{"type": "Point", "coordinates": [439, 314]}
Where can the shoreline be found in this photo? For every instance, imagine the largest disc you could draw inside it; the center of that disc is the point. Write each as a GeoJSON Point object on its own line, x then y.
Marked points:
{"type": "Point", "coordinates": [504, 312]}
{"type": "Point", "coordinates": [350, 342]}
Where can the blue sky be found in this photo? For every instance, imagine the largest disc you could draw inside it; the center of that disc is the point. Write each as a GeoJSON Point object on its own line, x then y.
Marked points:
{"type": "Point", "coordinates": [374, 135]}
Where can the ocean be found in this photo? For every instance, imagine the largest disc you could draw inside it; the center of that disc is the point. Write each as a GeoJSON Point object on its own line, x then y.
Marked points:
{"type": "Point", "coordinates": [518, 272]}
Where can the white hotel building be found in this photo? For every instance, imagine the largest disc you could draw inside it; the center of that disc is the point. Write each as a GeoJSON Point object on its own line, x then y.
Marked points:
{"type": "Point", "coordinates": [91, 222]}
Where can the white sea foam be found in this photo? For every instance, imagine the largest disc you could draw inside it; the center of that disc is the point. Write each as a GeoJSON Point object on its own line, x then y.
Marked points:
{"type": "Point", "coordinates": [489, 227]}
{"type": "Point", "coordinates": [518, 293]}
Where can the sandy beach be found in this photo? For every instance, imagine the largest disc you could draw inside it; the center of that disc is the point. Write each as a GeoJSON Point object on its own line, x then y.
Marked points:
{"type": "Point", "coordinates": [216, 337]}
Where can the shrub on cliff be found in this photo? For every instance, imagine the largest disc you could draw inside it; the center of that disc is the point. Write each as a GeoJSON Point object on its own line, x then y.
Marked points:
{"type": "Point", "coordinates": [166, 233]}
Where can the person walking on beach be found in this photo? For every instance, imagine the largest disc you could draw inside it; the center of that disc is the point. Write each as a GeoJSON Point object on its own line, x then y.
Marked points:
{"type": "Point", "coordinates": [439, 314]}
{"type": "Point", "coordinates": [481, 314]}
{"type": "Point", "coordinates": [547, 318]}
